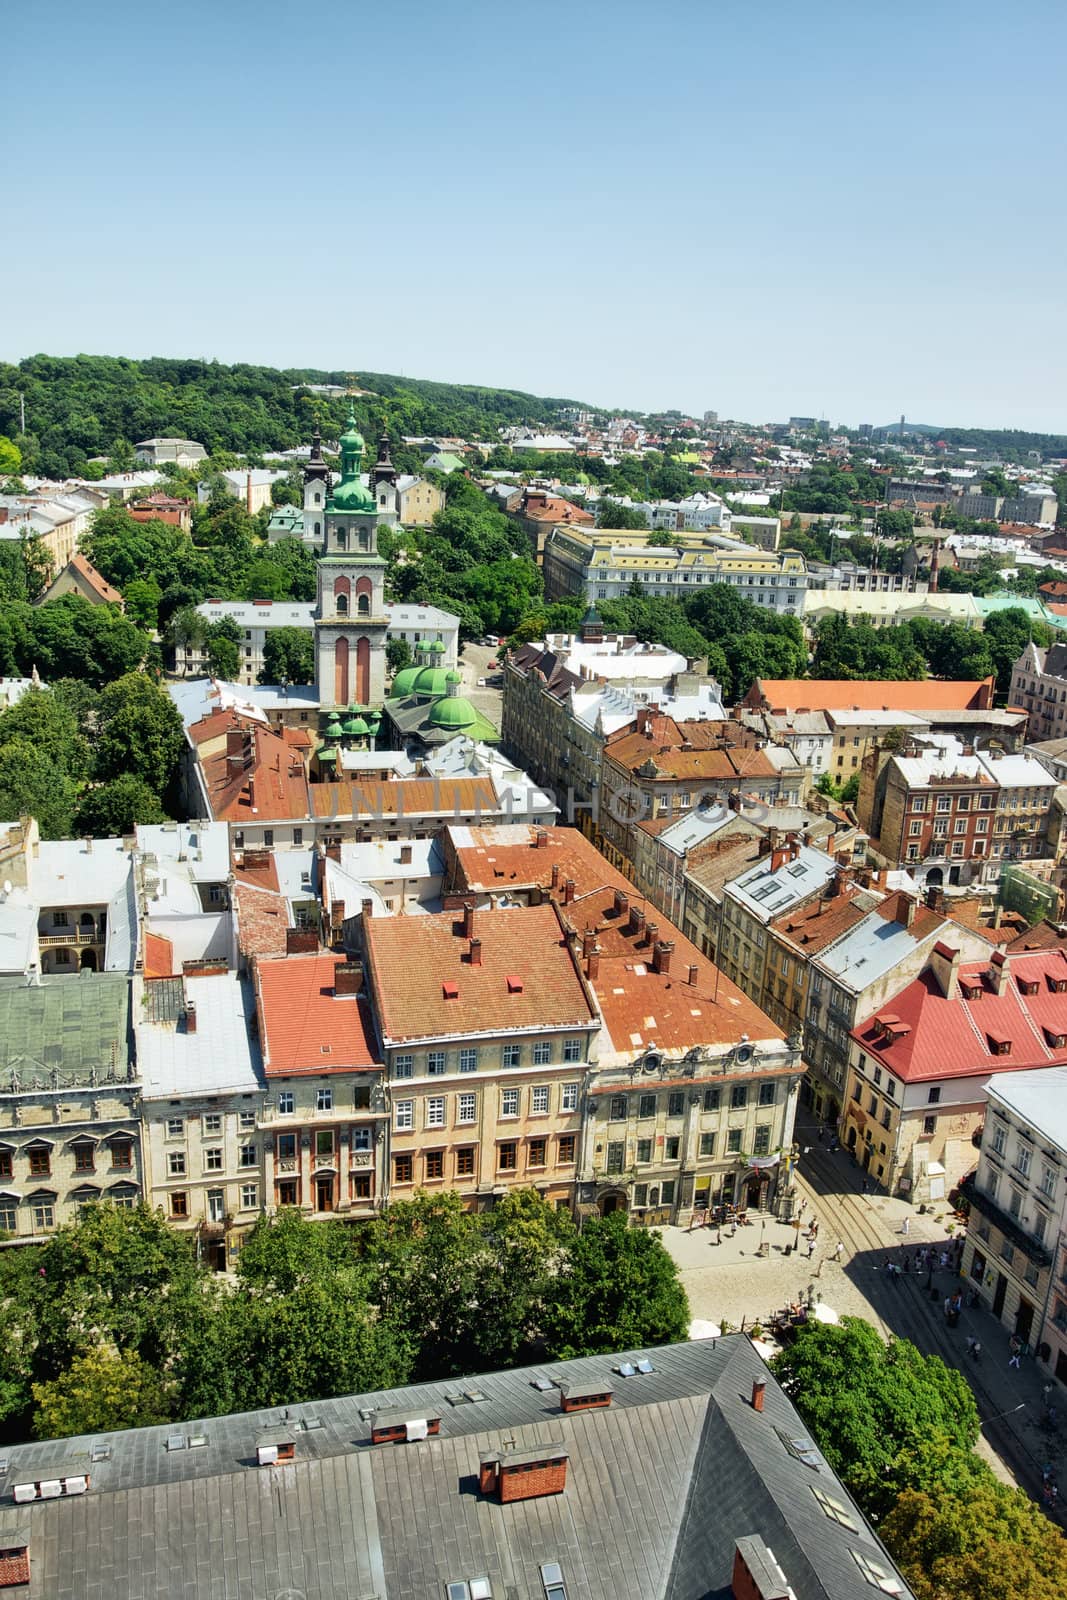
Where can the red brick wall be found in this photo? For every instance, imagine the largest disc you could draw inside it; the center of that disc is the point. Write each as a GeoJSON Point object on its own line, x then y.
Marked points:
{"type": "Point", "coordinates": [529, 1483]}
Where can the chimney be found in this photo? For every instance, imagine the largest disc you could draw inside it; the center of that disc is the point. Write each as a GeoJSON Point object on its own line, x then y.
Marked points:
{"type": "Point", "coordinates": [592, 965]}
{"type": "Point", "coordinates": [524, 1474]}
{"type": "Point", "coordinates": [944, 966]}
{"type": "Point", "coordinates": [661, 957]}
{"type": "Point", "coordinates": [235, 744]}
{"type": "Point", "coordinates": [692, 976]}
{"type": "Point", "coordinates": [756, 1574]}
{"type": "Point", "coordinates": [651, 930]}
{"type": "Point", "coordinates": [541, 839]}
{"type": "Point", "coordinates": [252, 791]}
{"type": "Point", "coordinates": [998, 971]}
{"type": "Point", "coordinates": [190, 1016]}
{"type": "Point", "coordinates": [301, 941]}
{"type": "Point", "coordinates": [476, 952]}
{"type": "Point", "coordinates": [568, 891]}
{"type": "Point", "coordinates": [764, 846]}
{"type": "Point", "coordinates": [468, 920]}
{"type": "Point", "coordinates": [347, 978]}
{"type": "Point", "coordinates": [759, 1388]}
{"type": "Point", "coordinates": [622, 901]}
{"type": "Point", "coordinates": [588, 942]}
{"type": "Point", "coordinates": [405, 855]}
{"type": "Point", "coordinates": [367, 908]}
{"type": "Point", "coordinates": [555, 874]}
{"type": "Point", "coordinates": [637, 920]}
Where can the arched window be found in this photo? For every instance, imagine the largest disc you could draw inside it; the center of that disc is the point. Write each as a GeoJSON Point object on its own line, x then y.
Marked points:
{"type": "Point", "coordinates": [342, 589]}
{"type": "Point", "coordinates": [342, 539]}
{"type": "Point", "coordinates": [341, 601]}
{"type": "Point", "coordinates": [363, 605]}
{"type": "Point", "coordinates": [318, 530]}
{"type": "Point", "coordinates": [318, 497]}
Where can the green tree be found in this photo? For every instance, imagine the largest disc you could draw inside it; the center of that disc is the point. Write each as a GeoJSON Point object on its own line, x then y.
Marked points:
{"type": "Point", "coordinates": [288, 656]}
{"type": "Point", "coordinates": [142, 597]}
{"type": "Point", "coordinates": [139, 733]}
{"type": "Point", "coordinates": [613, 515]}
{"type": "Point", "coordinates": [988, 1542]}
{"type": "Point", "coordinates": [871, 1405]}
{"type": "Point", "coordinates": [103, 1389]}
{"type": "Point", "coordinates": [397, 655]}
{"type": "Point", "coordinates": [112, 810]}
{"type": "Point", "coordinates": [117, 1276]}
{"type": "Point", "coordinates": [617, 1288]}
{"type": "Point", "coordinates": [223, 649]}
{"type": "Point", "coordinates": [1007, 633]}
{"type": "Point", "coordinates": [10, 458]}
{"type": "Point", "coordinates": [287, 1249]}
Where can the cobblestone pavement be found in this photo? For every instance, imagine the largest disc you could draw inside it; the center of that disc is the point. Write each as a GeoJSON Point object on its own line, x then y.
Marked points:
{"type": "Point", "coordinates": [731, 1280]}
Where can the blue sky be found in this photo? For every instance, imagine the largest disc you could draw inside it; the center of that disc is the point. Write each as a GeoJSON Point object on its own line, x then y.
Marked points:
{"type": "Point", "coordinates": [845, 211]}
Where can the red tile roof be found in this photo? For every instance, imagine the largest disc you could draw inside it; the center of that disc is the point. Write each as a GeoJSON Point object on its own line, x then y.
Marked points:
{"type": "Point", "coordinates": [955, 1037]}
{"type": "Point", "coordinates": [271, 787]}
{"type": "Point", "coordinates": [640, 1006]}
{"type": "Point", "coordinates": [262, 920]}
{"type": "Point", "coordinates": [814, 926]}
{"type": "Point", "coordinates": [408, 797]}
{"type": "Point", "coordinates": [847, 694]}
{"type": "Point", "coordinates": [303, 1025]}
{"type": "Point", "coordinates": [94, 580]}
{"type": "Point", "coordinates": [410, 960]}
{"type": "Point", "coordinates": [713, 750]}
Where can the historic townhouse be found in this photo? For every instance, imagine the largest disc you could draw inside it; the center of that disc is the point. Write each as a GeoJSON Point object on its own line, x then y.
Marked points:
{"type": "Point", "coordinates": [202, 1100]}
{"type": "Point", "coordinates": [1018, 1200]}
{"type": "Point", "coordinates": [69, 1129]}
{"type": "Point", "coordinates": [919, 1066]}
{"type": "Point", "coordinates": [488, 1032]}
{"type": "Point", "coordinates": [323, 1124]}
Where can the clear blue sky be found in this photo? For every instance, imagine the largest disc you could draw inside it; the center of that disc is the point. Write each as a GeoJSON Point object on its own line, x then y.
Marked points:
{"type": "Point", "coordinates": [847, 211]}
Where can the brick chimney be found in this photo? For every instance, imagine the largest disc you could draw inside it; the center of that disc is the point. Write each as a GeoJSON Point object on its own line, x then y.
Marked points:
{"type": "Point", "coordinates": [651, 932]}
{"type": "Point", "coordinates": [235, 744]}
{"type": "Point", "coordinates": [468, 920]}
{"type": "Point", "coordinates": [541, 839]}
{"type": "Point", "coordinates": [524, 1474]}
{"type": "Point", "coordinates": [998, 971]}
{"type": "Point", "coordinates": [622, 901]}
{"type": "Point", "coordinates": [405, 855]}
{"type": "Point", "coordinates": [347, 979]}
{"type": "Point", "coordinates": [301, 941]}
{"type": "Point", "coordinates": [476, 952]}
{"type": "Point", "coordinates": [759, 1389]}
{"type": "Point", "coordinates": [756, 1574]}
{"type": "Point", "coordinates": [555, 874]}
{"type": "Point", "coordinates": [637, 920]}
{"type": "Point", "coordinates": [367, 909]}
{"type": "Point", "coordinates": [661, 956]}
{"type": "Point", "coordinates": [692, 976]}
{"type": "Point", "coordinates": [568, 891]}
{"type": "Point", "coordinates": [588, 942]}
{"type": "Point", "coordinates": [592, 965]}
{"type": "Point", "coordinates": [190, 1016]}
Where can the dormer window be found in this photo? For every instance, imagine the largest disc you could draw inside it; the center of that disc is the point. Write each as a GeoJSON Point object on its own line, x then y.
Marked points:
{"type": "Point", "coordinates": [971, 988]}
{"type": "Point", "coordinates": [1027, 986]}
{"type": "Point", "coordinates": [999, 1046]}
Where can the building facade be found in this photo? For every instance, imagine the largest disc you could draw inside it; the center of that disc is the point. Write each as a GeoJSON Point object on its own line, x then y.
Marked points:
{"type": "Point", "coordinates": [603, 564]}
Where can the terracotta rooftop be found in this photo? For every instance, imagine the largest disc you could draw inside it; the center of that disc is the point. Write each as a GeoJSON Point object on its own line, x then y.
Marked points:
{"type": "Point", "coordinates": [303, 1025]}
{"type": "Point", "coordinates": [262, 920]}
{"type": "Point", "coordinates": [843, 694]}
{"type": "Point", "coordinates": [639, 1005]}
{"type": "Point", "coordinates": [265, 783]}
{"type": "Point", "coordinates": [815, 925]}
{"type": "Point", "coordinates": [959, 1037]}
{"type": "Point", "coordinates": [258, 869]}
{"type": "Point", "coordinates": [406, 797]}
{"type": "Point", "coordinates": [158, 956]}
{"type": "Point", "coordinates": [701, 751]}
{"type": "Point", "coordinates": [426, 985]}
{"type": "Point", "coordinates": [94, 580]}
{"type": "Point", "coordinates": [1043, 936]}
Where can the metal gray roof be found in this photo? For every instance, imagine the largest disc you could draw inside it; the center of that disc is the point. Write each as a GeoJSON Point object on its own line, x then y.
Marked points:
{"type": "Point", "coordinates": [659, 1487]}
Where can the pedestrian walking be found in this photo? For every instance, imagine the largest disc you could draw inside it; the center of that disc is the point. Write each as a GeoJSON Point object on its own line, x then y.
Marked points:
{"type": "Point", "coordinates": [906, 1227]}
{"type": "Point", "coordinates": [976, 1352]}
{"type": "Point", "coordinates": [944, 1260]}
{"type": "Point", "coordinates": [839, 1252]}
{"type": "Point", "coordinates": [1015, 1347]}
{"type": "Point", "coordinates": [1046, 1390]}
{"type": "Point", "coordinates": [811, 1248]}
{"type": "Point", "coordinates": [822, 1133]}
{"type": "Point", "coordinates": [815, 1227]}
{"type": "Point", "coordinates": [971, 1342]}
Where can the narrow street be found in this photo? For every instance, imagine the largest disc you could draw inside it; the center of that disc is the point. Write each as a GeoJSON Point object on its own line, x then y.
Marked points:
{"type": "Point", "coordinates": [730, 1280]}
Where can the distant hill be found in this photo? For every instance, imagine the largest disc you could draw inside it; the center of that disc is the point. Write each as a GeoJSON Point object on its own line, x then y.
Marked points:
{"type": "Point", "coordinates": [79, 406]}
{"type": "Point", "coordinates": [1005, 444]}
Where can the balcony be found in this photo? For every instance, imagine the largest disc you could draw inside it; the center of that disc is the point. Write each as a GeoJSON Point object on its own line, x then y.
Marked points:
{"type": "Point", "coordinates": [1009, 1226]}
{"type": "Point", "coordinates": [76, 936]}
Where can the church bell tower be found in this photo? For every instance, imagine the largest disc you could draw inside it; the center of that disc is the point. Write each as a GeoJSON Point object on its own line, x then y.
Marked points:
{"type": "Point", "coordinates": [350, 616]}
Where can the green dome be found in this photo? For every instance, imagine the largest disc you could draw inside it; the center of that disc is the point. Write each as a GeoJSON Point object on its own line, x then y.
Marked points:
{"type": "Point", "coordinates": [355, 725]}
{"type": "Point", "coordinates": [437, 647]}
{"type": "Point", "coordinates": [333, 728]}
{"type": "Point", "coordinates": [431, 681]}
{"type": "Point", "coordinates": [351, 495]}
{"type": "Point", "coordinates": [453, 677]}
{"type": "Point", "coordinates": [352, 439]}
{"type": "Point", "coordinates": [326, 752]}
{"type": "Point", "coordinates": [404, 681]}
{"type": "Point", "coordinates": [453, 712]}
